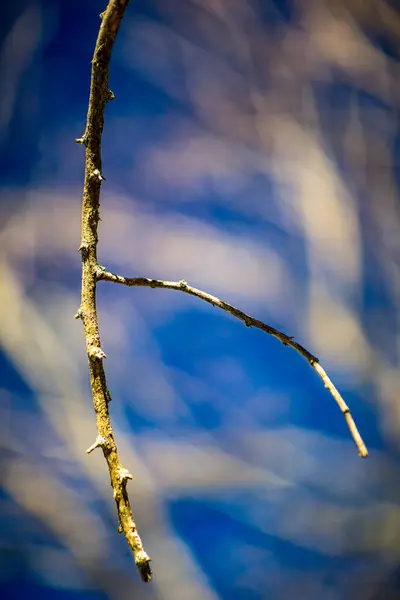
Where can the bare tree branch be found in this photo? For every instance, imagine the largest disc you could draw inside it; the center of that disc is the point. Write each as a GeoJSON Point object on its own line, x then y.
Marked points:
{"type": "Point", "coordinates": [249, 321]}
{"type": "Point", "coordinates": [100, 94]}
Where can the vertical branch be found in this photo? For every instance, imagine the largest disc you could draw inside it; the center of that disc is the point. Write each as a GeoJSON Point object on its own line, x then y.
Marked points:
{"type": "Point", "coordinates": [91, 139]}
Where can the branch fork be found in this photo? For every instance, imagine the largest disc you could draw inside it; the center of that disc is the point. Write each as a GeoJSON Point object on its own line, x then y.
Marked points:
{"type": "Point", "coordinates": [100, 95]}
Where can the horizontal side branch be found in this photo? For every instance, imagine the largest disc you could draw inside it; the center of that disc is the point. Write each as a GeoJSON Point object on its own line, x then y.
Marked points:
{"type": "Point", "coordinates": [249, 321]}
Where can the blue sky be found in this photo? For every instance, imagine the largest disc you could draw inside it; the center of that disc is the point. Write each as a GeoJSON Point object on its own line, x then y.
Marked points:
{"type": "Point", "coordinates": [252, 150]}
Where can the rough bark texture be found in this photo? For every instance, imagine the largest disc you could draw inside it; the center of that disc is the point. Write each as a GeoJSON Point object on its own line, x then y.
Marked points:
{"type": "Point", "coordinates": [91, 139]}
{"type": "Point", "coordinates": [92, 272]}
{"type": "Point", "coordinates": [249, 321]}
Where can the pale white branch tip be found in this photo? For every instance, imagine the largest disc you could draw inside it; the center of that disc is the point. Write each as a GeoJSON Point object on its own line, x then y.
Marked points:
{"type": "Point", "coordinates": [143, 561]}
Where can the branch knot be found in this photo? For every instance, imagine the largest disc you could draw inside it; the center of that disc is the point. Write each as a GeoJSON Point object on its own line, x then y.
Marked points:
{"type": "Point", "coordinates": [79, 314]}
{"type": "Point", "coordinates": [100, 442]}
{"type": "Point", "coordinates": [82, 140]}
{"type": "Point", "coordinates": [96, 352]}
{"type": "Point", "coordinates": [123, 476]}
{"type": "Point", "coordinates": [96, 174]}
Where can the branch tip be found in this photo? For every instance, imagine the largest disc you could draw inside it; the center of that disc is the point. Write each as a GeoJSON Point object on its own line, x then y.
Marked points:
{"type": "Point", "coordinates": [143, 564]}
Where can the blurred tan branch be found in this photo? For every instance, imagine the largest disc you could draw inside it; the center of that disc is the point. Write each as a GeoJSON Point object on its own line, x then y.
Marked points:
{"type": "Point", "coordinates": [249, 321]}
{"type": "Point", "coordinates": [91, 139]}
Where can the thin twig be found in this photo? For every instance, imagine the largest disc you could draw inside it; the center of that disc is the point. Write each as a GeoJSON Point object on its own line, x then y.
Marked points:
{"type": "Point", "coordinates": [91, 139]}
{"type": "Point", "coordinates": [249, 321]}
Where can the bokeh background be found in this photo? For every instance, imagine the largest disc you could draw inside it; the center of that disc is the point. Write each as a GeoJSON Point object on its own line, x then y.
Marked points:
{"type": "Point", "coordinates": [253, 150]}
